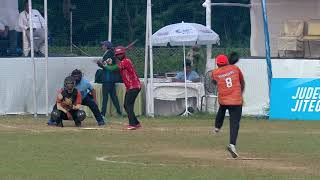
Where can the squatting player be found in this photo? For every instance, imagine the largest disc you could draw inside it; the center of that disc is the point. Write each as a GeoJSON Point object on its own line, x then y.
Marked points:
{"type": "Point", "coordinates": [230, 82]}
{"type": "Point", "coordinates": [68, 104]}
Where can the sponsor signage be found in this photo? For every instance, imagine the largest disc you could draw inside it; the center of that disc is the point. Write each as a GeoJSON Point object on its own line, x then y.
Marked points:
{"type": "Point", "coordinates": [295, 99]}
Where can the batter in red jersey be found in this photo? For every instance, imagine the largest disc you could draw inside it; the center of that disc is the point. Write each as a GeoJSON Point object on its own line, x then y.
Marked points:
{"type": "Point", "coordinates": [131, 81]}
{"type": "Point", "coordinates": [230, 82]}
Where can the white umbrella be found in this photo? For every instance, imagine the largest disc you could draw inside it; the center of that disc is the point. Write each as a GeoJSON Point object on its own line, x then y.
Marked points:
{"type": "Point", "coordinates": [185, 34]}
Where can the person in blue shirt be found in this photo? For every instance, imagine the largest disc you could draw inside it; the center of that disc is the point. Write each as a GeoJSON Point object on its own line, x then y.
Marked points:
{"type": "Point", "coordinates": [191, 75]}
{"type": "Point", "coordinates": [88, 95]}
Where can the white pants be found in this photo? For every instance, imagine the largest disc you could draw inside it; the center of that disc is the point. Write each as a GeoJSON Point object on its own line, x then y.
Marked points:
{"type": "Point", "coordinates": [38, 40]}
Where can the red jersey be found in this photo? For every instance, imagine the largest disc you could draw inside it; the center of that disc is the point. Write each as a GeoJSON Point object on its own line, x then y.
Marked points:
{"type": "Point", "coordinates": [229, 80]}
{"type": "Point", "coordinates": [129, 74]}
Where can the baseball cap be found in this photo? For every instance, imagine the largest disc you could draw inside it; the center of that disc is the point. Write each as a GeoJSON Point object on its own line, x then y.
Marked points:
{"type": "Point", "coordinates": [222, 60]}
{"type": "Point", "coordinates": [108, 44]}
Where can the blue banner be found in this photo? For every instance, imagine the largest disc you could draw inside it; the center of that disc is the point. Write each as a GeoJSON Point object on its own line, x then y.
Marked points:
{"type": "Point", "coordinates": [295, 99]}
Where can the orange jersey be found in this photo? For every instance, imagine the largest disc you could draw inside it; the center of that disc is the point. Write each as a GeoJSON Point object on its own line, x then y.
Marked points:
{"type": "Point", "coordinates": [74, 98]}
{"type": "Point", "coordinates": [229, 80]}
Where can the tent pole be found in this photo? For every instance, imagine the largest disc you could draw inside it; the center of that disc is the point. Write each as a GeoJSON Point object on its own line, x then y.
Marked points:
{"type": "Point", "coordinates": [46, 52]}
{"type": "Point", "coordinates": [146, 51]}
{"type": "Point", "coordinates": [208, 24]}
{"type": "Point", "coordinates": [110, 21]}
{"type": "Point", "coordinates": [151, 102]}
{"type": "Point", "coordinates": [71, 30]}
{"type": "Point", "coordinates": [186, 113]}
{"type": "Point", "coordinates": [35, 111]}
{"type": "Point", "coordinates": [267, 43]}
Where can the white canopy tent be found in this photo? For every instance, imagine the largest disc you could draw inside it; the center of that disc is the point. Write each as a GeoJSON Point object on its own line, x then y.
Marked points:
{"type": "Point", "coordinates": [264, 21]}
{"type": "Point", "coordinates": [9, 13]}
{"type": "Point", "coordinates": [278, 11]}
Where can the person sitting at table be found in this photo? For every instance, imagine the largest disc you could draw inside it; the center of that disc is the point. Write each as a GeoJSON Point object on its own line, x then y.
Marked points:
{"type": "Point", "coordinates": [191, 74]}
{"type": "Point", "coordinates": [3, 37]}
{"type": "Point", "coordinates": [4, 30]}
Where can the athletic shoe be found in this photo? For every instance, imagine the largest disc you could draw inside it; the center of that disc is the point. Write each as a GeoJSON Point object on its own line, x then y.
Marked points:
{"type": "Point", "coordinates": [101, 123]}
{"type": "Point", "coordinates": [138, 126]}
{"type": "Point", "coordinates": [51, 122]}
{"type": "Point", "coordinates": [59, 124]}
{"type": "Point", "coordinates": [78, 124]}
{"type": "Point", "coordinates": [232, 149]}
{"type": "Point", "coordinates": [129, 127]}
{"type": "Point", "coordinates": [216, 130]}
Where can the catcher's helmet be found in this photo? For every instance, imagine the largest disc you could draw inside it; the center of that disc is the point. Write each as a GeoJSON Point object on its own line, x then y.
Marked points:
{"type": "Point", "coordinates": [69, 83]}
{"type": "Point", "coordinates": [119, 50]}
{"type": "Point", "coordinates": [77, 75]}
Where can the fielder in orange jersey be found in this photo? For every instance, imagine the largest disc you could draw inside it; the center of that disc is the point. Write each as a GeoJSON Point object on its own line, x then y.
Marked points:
{"type": "Point", "coordinates": [233, 58]}
{"type": "Point", "coordinates": [230, 82]}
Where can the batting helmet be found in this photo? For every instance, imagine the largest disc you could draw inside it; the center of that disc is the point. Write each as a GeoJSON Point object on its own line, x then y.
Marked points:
{"type": "Point", "coordinates": [119, 50]}
{"type": "Point", "coordinates": [222, 60]}
{"type": "Point", "coordinates": [81, 115]}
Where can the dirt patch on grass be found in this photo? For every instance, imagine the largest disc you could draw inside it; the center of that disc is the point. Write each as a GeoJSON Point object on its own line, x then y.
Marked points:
{"type": "Point", "coordinates": [69, 126]}
{"type": "Point", "coordinates": [223, 157]}
{"type": "Point", "coordinates": [208, 158]}
{"type": "Point", "coordinates": [204, 154]}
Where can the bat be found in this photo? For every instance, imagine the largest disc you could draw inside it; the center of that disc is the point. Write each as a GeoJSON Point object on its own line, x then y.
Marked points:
{"type": "Point", "coordinates": [129, 46]}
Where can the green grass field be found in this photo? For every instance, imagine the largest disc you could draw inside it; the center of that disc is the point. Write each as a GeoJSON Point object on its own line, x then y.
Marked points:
{"type": "Point", "coordinates": [165, 148]}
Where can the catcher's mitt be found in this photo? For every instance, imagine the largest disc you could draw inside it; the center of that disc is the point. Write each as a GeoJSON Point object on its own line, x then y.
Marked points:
{"type": "Point", "coordinates": [209, 86]}
{"type": "Point", "coordinates": [67, 103]}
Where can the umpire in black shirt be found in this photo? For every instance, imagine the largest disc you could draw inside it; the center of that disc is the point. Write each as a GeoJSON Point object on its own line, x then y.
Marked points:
{"type": "Point", "coordinates": [109, 79]}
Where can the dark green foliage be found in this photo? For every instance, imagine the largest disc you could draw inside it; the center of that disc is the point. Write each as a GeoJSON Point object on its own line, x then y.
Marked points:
{"type": "Point", "coordinates": [90, 20]}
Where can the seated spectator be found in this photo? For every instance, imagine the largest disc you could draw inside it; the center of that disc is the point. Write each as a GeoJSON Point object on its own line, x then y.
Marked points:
{"type": "Point", "coordinates": [8, 40]}
{"type": "Point", "coordinates": [3, 30]}
{"type": "Point", "coordinates": [4, 40]}
{"type": "Point", "coordinates": [191, 75]}
{"type": "Point", "coordinates": [197, 61]}
{"type": "Point", "coordinates": [38, 24]}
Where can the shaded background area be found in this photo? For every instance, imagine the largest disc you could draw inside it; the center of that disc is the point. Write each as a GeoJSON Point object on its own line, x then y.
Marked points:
{"type": "Point", "coordinates": [90, 26]}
